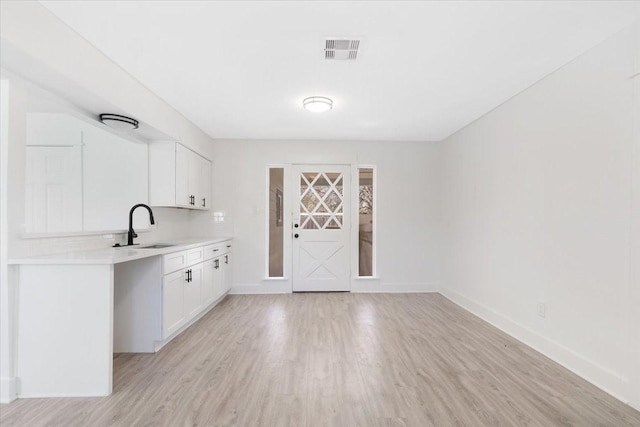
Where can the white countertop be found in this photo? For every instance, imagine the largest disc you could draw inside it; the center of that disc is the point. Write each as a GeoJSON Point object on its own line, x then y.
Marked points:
{"type": "Point", "coordinates": [117, 255]}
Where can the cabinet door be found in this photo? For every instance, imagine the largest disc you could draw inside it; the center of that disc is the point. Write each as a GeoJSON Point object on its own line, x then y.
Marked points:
{"type": "Point", "coordinates": [226, 272]}
{"type": "Point", "coordinates": [218, 278]}
{"type": "Point", "coordinates": [204, 198]}
{"type": "Point", "coordinates": [193, 291]}
{"type": "Point", "coordinates": [173, 302]}
{"type": "Point", "coordinates": [194, 179]}
{"type": "Point", "coordinates": [208, 285]}
{"type": "Point", "coordinates": [183, 160]}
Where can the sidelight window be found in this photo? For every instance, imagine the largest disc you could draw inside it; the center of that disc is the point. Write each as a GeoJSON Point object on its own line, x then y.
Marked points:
{"type": "Point", "coordinates": [276, 215]}
{"type": "Point", "coordinates": [366, 221]}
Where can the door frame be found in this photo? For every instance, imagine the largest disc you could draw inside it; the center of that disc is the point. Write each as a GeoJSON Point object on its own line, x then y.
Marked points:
{"type": "Point", "coordinates": [287, 220]}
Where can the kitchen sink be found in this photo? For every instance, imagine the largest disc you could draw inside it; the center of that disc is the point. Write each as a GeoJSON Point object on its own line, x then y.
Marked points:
{"type": "Point", "coordinates": [158, 246]}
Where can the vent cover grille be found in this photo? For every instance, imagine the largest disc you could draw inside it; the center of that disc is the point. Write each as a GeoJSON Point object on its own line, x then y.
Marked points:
{"type": "Point", "coordinates": [341, 49]}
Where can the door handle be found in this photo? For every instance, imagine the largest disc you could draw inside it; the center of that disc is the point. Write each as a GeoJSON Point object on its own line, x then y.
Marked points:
{"type": "Point", "coordinates": [296, 235]}
{"type": "Point", "coordinates": [204, 203]}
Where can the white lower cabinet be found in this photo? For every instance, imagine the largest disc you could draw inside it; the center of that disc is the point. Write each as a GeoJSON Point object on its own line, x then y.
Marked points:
{"type": "Point", "coordinates": [212, 286]}
{"type": "Point", "coordinates": [193, 291]}
{"type": "Point", "coordinates": [226, 272]}
{"type": "Point", "coordinates": [207, 282]}
{"type": "Point", "coordinates": [195, 286]}
{"type": "Point", "coordinates": [173, 302]}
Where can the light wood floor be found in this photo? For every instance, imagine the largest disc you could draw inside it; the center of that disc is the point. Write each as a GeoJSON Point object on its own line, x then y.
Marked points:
{"type": "Point", "coordinates": [336, 359]}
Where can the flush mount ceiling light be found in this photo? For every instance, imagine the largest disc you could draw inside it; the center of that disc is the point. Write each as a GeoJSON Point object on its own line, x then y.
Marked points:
{"type": "Point", "coordinates": [119, 122]}
{"type": "Point", "coordinates": [317, 104]}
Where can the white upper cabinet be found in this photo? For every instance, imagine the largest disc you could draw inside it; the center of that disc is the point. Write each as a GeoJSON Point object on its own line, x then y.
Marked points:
{"type": "Point", "coordinates": [178, 176]}
{"type": "Point", "coordinates": [185, 184]}
{"type": "Point", "coordinates": [204, 180]}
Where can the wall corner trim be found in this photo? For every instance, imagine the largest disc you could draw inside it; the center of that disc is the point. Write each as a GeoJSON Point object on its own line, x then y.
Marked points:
{"type": "Point", "coordinates": [8, 389]}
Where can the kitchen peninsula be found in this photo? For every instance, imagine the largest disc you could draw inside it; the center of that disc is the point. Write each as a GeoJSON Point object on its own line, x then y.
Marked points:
{"type": "Point", "coordinates": [76, 309]}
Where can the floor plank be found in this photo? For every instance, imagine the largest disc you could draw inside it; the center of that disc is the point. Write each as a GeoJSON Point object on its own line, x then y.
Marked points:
{"type": "Point", "coordinates": [337, 360]}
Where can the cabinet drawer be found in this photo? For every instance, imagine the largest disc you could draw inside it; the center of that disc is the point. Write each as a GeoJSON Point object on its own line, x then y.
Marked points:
{"type": "Point", "coordinates": [175, 261]}
{"type": "Point", "coordinates": [212, 251]}
{"type": "Point", "coordinates": [195, 256]}
{"type": "Point", "coordinates": [225, 247]}
{"type": "Point", "coordinates": [215, 250]}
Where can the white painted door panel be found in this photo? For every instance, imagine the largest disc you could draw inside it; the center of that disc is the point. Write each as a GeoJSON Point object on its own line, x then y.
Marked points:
{"type": "Point", "coordinates": [218, 278]}
{"type": "Point", "coordinates": [182, 176]}
{"type": "Point", "coordinates": [173, 316]}
{"type": "Point", "coordinates": [226, 277]}
{"type": "Point", "coordinates": [192, 291]}
{"type": "Point", "coordinates": [321, 233]}
{"type": "Point", "coordinates": [208, 285]}
{"type": "Point", "coordinates": [204, 183]}
{"type": "Point", "coordinates": [194, 178]}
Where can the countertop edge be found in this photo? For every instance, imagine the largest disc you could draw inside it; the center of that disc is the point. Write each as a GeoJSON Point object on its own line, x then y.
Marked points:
{"type": "Point", "coordinates": [101, 257]}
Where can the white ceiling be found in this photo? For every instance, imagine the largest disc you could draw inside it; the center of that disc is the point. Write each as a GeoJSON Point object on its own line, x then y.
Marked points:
{"type": "Point", "coordinates": [425, 70]}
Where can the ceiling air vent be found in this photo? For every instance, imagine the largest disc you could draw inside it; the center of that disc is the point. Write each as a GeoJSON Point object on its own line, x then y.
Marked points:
{"type": "Point", "coordinates": [341, 49]}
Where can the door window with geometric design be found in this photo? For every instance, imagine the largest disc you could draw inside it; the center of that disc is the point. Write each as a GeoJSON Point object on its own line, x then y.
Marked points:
{"type": "Point", "coordinates": [321, 201]}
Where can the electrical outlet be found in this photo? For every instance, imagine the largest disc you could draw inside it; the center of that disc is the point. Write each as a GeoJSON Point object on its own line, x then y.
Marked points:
{"type": "Point", "coordinates": [542, 309]}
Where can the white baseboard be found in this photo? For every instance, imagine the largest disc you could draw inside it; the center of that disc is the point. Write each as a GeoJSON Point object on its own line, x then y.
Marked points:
{"type": "Point", "coordinates": [360, 285]}
{"type": "Point", "coordinates": [53, 395]}
{"type": "Point", "coordinates": [266, 288]}
{"type": "Point", "coordinates": [8, 389]}
{"type": "Point", "coordinates": [376, 286]}
{"type": "Point", "coordinates": [157, 345]}
{"type": "Point", "coordinates": [601, 377]}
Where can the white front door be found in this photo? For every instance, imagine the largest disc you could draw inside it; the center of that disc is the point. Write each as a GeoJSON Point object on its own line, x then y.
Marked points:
{"type": "Point", "coordinates": [321, 228]}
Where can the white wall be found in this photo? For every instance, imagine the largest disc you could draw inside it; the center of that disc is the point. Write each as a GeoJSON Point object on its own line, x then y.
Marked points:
{"type": "Point", "coordinates": [537, 208]}
{"type": "Point", "coordinates": [407, 202]}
